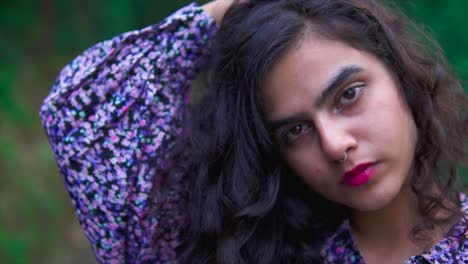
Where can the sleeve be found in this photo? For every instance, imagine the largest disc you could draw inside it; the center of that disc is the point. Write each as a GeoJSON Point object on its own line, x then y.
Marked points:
{"type": "Point", "coordinates": [110, 115]}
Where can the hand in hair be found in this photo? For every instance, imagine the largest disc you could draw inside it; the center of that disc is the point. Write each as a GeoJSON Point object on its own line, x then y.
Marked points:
{"type": "Point", "coordinates": [218, 8]}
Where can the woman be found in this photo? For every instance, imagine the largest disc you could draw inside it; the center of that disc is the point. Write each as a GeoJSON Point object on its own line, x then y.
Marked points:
{"type": "Point", "coordinates": [326, 134]}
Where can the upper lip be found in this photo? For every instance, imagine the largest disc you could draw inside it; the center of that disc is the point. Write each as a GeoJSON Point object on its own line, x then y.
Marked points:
{"type": "Point", "coordinates": [357, 170]}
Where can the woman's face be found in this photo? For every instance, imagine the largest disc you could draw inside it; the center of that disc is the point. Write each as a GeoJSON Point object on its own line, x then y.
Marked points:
{"type": "Point", "coordinates": [325, 98]}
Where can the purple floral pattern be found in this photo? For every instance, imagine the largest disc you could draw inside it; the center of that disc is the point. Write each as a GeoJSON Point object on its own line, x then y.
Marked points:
{"type": "Point", "coordinates": [111, 116]}
{"type": "Point", "coordinates": [452, 249]}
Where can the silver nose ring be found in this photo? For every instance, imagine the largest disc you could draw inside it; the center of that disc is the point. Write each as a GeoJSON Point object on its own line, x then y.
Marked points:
{"type": "Point", "coordinates": [344, 158]}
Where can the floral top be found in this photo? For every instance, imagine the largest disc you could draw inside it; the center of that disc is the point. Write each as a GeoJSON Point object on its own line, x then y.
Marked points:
{"type": "Point", "coordinates": [453, 248]}
{"type": "Point", "coordinates": [112, 116]}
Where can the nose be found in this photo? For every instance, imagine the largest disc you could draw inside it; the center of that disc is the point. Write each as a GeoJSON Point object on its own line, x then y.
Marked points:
{"type": "Point", "coordinates": [336, 137]}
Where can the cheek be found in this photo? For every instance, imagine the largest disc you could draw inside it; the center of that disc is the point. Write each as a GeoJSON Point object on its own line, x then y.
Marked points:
{"type": "Point", "coordinates": [308, 166]}
{"type": "Point", "coordinates": [390, 123]}
{"type": "Point", "coordinates": [315, 174]}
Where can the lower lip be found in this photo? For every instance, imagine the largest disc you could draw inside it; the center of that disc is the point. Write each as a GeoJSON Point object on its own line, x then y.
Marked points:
{"type": "Point", "coordinates": [361, 178]}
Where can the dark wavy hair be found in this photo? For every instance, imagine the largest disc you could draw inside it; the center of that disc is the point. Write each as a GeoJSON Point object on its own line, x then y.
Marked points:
{"type": "Point", "coordinates": [244, 205]}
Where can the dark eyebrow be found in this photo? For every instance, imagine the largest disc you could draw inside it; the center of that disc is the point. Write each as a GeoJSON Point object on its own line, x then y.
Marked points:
{"type": "Point", "coordinates": [335, 83]}
{"type": "Point", "coordinates": [276, 124]}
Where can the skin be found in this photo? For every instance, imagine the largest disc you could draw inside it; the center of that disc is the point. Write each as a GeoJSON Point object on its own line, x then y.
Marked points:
{"type": "Point", "coordinates": [367, 117]}
{"type": "Point", "coordinates": [217, 9]}
{"type": "Point", "coordinates": [378, 129]}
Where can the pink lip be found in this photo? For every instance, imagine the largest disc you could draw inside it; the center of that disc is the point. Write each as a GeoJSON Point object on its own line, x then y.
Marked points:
{"type": "Point", "coordinates": [360, 175]}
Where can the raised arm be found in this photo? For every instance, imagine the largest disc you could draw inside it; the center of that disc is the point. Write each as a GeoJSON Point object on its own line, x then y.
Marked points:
{"type": "Point", "coordinates": [111, 115]}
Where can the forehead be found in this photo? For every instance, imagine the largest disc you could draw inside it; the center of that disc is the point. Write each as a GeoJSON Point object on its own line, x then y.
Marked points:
{"type": "Point", "coordinates": [300, 76]}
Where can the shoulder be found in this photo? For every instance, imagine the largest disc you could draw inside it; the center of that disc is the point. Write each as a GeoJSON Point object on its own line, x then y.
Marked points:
{"type": "Point", "coordinates": [340, 247]}
{"type": "Point", "coordinates": [454, 247]}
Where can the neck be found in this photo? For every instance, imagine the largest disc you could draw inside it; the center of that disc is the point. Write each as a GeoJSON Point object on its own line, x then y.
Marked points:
{"type": "Point", "coordinates": [390, 228]}
{"type": "Point", "coordinates": [378, 231]}
{"type": "Point", "coordinates": [390, 224]}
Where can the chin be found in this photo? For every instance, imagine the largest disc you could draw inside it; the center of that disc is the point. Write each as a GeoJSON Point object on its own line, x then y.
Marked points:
{"type": "Point", "coordinates": [369, 206]}
{"type": "Point", "coordinates": [374, 199]}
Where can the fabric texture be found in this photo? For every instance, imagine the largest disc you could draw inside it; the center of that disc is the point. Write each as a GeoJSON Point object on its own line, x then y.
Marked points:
{"type": "Point", "coordinates": [453, 248]}
{"type": "Point", "coordinates": [112, 116]}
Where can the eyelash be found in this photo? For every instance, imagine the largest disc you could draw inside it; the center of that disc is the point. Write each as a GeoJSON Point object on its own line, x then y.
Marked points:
{"type": "Point", "coordinates": [356, 87]}
{"type": "Point", "coordinates": [285, 136]}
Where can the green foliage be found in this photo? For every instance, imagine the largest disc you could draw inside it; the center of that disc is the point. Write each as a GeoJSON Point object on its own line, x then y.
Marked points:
{"type": "Point", "coordinates": [444, 20]}
{"type": "Point", "coordinates": [37, 222]}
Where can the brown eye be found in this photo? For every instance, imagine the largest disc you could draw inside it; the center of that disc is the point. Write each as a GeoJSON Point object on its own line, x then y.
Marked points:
{"type": "Point", "coordinates": [350, 95]}
{"type": "Point", "coordinates": [295, 133]}
{"type": "Point", "coordinates": [297, 130]}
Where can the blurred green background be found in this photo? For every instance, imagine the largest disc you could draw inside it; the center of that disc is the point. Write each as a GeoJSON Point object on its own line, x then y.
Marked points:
{"type": "Point", "coordinates": [37, 38]}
